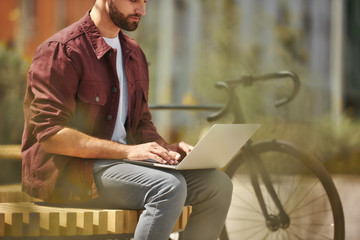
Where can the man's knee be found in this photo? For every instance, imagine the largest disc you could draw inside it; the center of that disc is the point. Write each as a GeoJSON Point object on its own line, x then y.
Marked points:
{"type": "Point", "coordinates": [178, 184]}
{"type": "Point", "coordinates": [172, 186]}
{"type": "Point", "coordinates": [210, 185]}
{"type": "Point", "coordinates": [218, 186]}
{"type": "Point", "coordinates": [222, 183]}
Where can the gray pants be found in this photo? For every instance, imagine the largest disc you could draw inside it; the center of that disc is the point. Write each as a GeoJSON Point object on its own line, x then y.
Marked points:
{"type": "Point", "coordinates": [162, 194]}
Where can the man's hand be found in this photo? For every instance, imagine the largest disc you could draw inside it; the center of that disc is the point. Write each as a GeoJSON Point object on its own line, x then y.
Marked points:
{"type": "Point", "coordinates": [180, 150]}
{"type": "Point", "coordinates": [166, 154]}
{"type": "Point", "coordinates": [152, 150]}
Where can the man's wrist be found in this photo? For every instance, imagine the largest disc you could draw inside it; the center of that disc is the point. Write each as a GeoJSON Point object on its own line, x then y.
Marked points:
{"type": "Point", "coordinates": [162, 143]}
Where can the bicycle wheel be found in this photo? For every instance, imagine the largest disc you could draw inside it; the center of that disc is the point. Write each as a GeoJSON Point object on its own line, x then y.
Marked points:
{"type": "Point", "coordinates": [304, 188]}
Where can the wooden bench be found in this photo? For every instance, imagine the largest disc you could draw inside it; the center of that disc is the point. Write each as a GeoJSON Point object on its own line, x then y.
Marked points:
{"type": "Point", "coordinates": [22, 216]}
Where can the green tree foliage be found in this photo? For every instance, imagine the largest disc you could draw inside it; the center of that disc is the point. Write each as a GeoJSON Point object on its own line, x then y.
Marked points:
{"type": "Point", "coordinates": [13, 70]}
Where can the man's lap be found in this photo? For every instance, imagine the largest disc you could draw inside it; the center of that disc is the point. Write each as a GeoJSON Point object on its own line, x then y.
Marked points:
{"type": "Point", "coordinates": [130, 186]}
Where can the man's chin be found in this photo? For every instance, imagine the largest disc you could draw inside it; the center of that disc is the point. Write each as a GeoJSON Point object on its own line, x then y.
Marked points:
{"type": "Point", "coordinates": [131, 27]}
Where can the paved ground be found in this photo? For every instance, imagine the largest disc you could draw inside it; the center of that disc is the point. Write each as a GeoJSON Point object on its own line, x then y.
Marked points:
{"type": "Point", "coordinates": [349, 190]}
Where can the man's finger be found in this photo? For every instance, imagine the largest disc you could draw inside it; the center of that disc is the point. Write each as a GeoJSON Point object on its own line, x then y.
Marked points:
{"type": "Point", "coordinates": [162, 153]}
{"type": "Point", "coordinates": [158, 159]}
{"type": "Point", "coordinates": [185, 147]}
{"type": "Point", "coordinates": [175, 155]}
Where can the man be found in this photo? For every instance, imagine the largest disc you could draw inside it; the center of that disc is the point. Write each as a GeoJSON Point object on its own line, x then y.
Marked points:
{"type": "Point", "coordinates": [86, 109]}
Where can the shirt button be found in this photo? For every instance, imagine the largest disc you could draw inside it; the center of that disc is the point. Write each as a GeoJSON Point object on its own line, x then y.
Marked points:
{"type": "Point", "coordinates": [89, 193]}
{"type": "Point", "coordinates": [97, 99]}
{"type": "Point", "coordinates": [109, 117]}
{"type": "Point", "coordinates": [87, 162]}
{"type": "Point", "coordinates": [114, 89]}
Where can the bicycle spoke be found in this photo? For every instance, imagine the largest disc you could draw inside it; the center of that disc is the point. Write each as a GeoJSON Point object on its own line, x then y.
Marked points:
{"type": "Point", "coordinates": [287, 234]}
{"type": "Point", "coordinates": [249, 232]}
{"type": "Point", "coordinates": [314, 233]}
{"type": "Point", "coordinates": [239, 207]}
{"type": "Point", "coordinates": [305, 195]}
{"type": "Point", "coordinates": [308, 203]}
{"type": "Point", "coordinates": [312, 224]}
{"type": "Point", "coordinates": [295, 235]}
{"type": "Point", "coordinates": [255, 228]}
{"type": "Point", "coordinates": [245, 219]}
{"type": "Point", "coordinates": [293, 191]}
{"type": "Point", "coordinates": [266, 236]}
{"type": "Point", "coordinates": [252, 236]}
{"type": "Point", "coordinates": [281, 235]}
{"type": "Point", "coordinates": [248, 188]}
{"type": "Point", "coordinates": [310, 214]}
{"type": "Point", "coordinates": [250, 206]}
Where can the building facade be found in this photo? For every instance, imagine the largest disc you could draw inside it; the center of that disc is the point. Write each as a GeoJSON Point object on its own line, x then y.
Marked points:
{"type": "Point", "coordinates": [27, 23]}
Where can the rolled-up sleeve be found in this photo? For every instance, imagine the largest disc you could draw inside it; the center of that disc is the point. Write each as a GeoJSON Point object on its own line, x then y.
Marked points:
{"type": "Point", "coordinates": [53, 81]}
{"type": "Point", "coordinates": [147, 128]}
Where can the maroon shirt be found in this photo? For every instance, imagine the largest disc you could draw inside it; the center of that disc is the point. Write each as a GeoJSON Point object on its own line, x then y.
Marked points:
{"type": "Point", "coordinates": [72, 82]}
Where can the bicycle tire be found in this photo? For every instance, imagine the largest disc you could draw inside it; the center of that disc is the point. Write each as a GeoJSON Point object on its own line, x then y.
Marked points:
{"type": "Point", "coordinates": [318, 225]}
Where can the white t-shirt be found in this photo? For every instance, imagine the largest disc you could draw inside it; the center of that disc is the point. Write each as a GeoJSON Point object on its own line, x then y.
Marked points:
{"type": "Point", "coordinates": [119, 134]}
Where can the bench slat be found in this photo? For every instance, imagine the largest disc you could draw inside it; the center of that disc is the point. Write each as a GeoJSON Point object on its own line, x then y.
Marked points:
{"type": "Point", "coordinates": [13, 224]}
{"type": "Point", "coordinates": [115, 221]}
{"type": "Point", "coordinates": [130, 221]}
{"type": "Point", "coordinates": [100, 221]}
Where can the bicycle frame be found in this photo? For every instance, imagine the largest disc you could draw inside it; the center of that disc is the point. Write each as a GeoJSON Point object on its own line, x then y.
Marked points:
{"type": "Point", "coordinates": [256, 168]}
{"type": "Point", "coordinates": [255, 164]}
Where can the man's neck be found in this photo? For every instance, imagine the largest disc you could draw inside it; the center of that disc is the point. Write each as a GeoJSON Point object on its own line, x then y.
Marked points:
{"type": "Point", "coordinates": [103, 22]}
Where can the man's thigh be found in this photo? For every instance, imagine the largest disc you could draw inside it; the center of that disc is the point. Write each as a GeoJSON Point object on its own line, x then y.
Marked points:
{"type": "Point", "coordinates": [131, 186]}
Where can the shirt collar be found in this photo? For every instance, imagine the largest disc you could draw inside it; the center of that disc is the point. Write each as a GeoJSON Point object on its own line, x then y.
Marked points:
{"type": "Point", "coordinates": [95, 38]}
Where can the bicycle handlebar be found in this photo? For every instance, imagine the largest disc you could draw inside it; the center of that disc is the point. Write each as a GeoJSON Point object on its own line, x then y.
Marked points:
{"type": "Point", "coordinates": [248, 80]}
{"type": "Point", "coordinates": [219, 114]}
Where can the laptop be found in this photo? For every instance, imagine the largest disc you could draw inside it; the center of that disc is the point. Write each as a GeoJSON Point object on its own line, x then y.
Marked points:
{"type": "Point", "coordinates": [214, 150]}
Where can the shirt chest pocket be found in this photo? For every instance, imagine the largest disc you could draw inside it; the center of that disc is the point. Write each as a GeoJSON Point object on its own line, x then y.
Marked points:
{"type": "Point", "coordinates": [92, 92]}
{"type": "Point", "coordinates": [138, 102]}
{"type": "Point", "coordinates": [141, 96]}
{"type": "Point", "coordinates": [90, 106]}
{"type": "Point", "coordinates": [142, 91]}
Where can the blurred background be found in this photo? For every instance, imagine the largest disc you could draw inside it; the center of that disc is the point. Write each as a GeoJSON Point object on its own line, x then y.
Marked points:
{"type": "Point", "coordinates": [191, 44]}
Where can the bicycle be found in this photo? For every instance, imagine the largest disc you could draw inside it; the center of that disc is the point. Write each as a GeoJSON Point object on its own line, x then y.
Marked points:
{"type": "Point", "coordinates": [280, 191]}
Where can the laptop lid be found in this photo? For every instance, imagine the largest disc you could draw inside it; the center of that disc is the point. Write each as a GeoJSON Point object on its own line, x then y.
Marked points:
{"type": "Point", "coordinates": [215, 149]}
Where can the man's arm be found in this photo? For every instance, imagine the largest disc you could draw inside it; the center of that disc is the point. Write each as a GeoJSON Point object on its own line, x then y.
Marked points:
{"type": "Point", "coordinates": [71, 142]}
